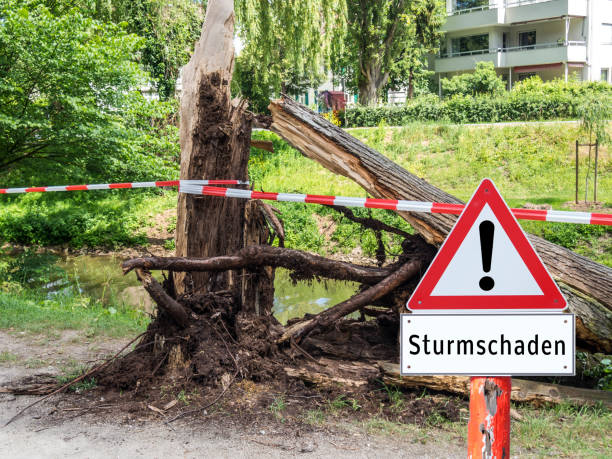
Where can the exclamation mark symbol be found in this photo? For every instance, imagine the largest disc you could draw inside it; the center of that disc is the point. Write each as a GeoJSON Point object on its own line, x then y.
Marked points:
{"type": "Point", "coordinates": [487, 231]}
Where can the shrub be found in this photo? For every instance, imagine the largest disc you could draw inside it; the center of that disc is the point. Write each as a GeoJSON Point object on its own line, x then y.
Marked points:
{"type": "Point", "coordinates": [484, 80]}
{"type": "Point", "coordinates": [529, 100]}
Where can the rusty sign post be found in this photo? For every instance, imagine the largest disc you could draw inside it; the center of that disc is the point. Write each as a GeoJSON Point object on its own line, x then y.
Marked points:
{"type": "Point", "coordinates": [487, 306]}
{"type": "Point", "coordinates": [489, 424]}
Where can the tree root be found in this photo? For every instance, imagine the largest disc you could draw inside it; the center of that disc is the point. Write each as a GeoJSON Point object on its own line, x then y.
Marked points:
{"type": "Point", "coordinates": [260, 255]}
{"type": "Point", "coordinates": [329, 316]}
{"type": "Point", "coordinates": [166, 302]}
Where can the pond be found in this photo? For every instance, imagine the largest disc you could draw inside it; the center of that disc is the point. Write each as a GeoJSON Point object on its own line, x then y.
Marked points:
{"type": "Point", "coordinates": [101, 278]}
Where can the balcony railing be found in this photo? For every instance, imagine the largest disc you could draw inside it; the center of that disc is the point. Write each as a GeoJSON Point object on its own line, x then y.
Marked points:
{"type": "Point", "coordinates": [472, 10]}
{"type": "Point", "coordinates": [513, 3]}
{"type": "Point", "coordinates": [513, 48]}
{"type": "Point", "coordinates": [507, 4]}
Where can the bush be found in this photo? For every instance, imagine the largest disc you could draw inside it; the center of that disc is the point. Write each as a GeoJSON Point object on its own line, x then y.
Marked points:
{"type": "Point", "coordinates": [97, 219]}
{"type": "Point", "coordinates": [484, 80]}
{"type": "Point", "coordinates": [529, 100]}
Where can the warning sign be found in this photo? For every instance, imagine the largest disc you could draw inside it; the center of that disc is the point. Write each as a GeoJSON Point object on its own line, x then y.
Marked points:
{"type": "Point", "coordinates": [539, 344]}
{"type": "Point", "coordinates": [486, 262]}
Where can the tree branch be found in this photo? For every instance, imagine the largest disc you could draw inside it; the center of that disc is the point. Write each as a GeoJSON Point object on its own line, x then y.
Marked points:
{"type": "Point", "coordinates": [163, 300]}
{"type": "Point", "coordinates": [329, 316]}
{"type": "Point", "coordinates": [261, 255]}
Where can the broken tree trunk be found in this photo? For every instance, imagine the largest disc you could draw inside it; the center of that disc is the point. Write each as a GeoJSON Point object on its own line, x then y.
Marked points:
{"type": "Point", "coordinates": [586, 284]}
{"type": "Point", "coordinates": [522, 390]}
{"type": "Point", "coordinates": [215, 139]}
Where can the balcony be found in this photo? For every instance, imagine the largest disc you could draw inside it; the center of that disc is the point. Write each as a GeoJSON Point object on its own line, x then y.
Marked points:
{"type": "Point", "coordinates": [511, 12]}
{"type": "Point", "coordinates": [473, 18]}
{"type": "Point", "coordinates": [535, 10]}
{"type": "Point", "coordinates": [543, 53]}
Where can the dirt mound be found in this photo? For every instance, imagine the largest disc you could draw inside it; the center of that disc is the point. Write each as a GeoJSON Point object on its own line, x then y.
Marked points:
{"type": "Point", "coordinates": [229, 359]}
{"type": "Point", "coordinates": [217, 345]}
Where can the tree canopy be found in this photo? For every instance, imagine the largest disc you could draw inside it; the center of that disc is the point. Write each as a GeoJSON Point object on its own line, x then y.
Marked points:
{"type": "Point", "coordinates": [169, 30]}
{"type": "Point", "coordinates": [68, 98]}
{"type": "Point", "coordinates": [387, 41]}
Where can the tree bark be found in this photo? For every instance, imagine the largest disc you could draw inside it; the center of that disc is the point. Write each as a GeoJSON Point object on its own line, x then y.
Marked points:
{"type": "Point", "coordinates": [371, 81]}
{"type": "Point", "coordinates": [368, 94]}
{"type": "Point", "coordinates": [215, 137]}
{"type": "Point", "coordinates": [343, 154]}
{"type": "Point", "coordinates": [411, 84]}
{"type": "Point", "coordinates": [258, 256]}
{"type": "Point", "coordinates": [331, 315]}
{"type": "Point", "coordinates": [522, 390]}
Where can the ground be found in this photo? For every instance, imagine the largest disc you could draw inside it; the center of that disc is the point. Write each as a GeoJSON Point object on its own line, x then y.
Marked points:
{"type": "Point", "coordinates": [86, 424]}
{"type": "Point", "coordinates": [60, 433]}
{"type": "Point", "coordinates": [92, 423]}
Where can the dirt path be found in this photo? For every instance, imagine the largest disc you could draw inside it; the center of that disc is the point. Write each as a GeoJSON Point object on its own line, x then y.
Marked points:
{"type": "Point", "coordinates": [39, 434]}
{"type": "Point", "coordinates": [65, 426]}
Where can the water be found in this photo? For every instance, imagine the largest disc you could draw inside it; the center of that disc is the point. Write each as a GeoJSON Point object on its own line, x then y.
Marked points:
{"type": "Point", "coordinates": [101, 278]}
{"type": "Point", "coordinates": [296, 300]}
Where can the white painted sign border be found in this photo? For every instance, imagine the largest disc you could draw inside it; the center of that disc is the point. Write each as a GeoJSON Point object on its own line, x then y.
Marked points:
{"type": "Point", "coordinates": [461, 317]}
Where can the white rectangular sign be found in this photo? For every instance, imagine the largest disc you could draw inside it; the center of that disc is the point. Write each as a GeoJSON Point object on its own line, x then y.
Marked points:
{"type": "Point", "coordinates": [487, 344]}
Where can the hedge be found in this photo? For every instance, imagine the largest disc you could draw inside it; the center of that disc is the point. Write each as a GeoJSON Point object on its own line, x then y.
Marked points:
{"type": "Point", "coordinates": [520, 105]}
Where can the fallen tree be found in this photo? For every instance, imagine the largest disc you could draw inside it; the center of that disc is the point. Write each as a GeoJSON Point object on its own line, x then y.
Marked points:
{"type": "Point", "coordinates": [587, 285]}
{"type": "Point", "coordinates": [214, 324]}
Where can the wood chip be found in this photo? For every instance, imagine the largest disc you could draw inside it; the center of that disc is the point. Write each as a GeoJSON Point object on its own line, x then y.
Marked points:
{"type": "Point", "coordinates": [157, 410]}
{"type": "Point", "coordinates": [169, 405]}
{"type": "Point", "coordinates": [515, 415]}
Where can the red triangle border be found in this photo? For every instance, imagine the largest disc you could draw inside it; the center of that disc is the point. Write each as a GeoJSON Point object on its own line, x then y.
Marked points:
{"type": "Point", "coordinates": [487, 193]}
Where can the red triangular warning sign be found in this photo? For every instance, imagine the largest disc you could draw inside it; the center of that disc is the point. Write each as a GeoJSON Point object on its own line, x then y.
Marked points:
{"type": "Point", "coordinates": [486, 262]}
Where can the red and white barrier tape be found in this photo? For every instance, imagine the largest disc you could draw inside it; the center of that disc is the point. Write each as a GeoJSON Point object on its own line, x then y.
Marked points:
{"type": "Point", "coordinates": [114, 186]}
{"type": "Point", "coordinates": [204, 187]}
{"type": "Point", "coordinates": [393, 204]}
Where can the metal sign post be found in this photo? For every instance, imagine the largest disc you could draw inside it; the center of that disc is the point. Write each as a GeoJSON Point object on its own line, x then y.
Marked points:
{"type": "Point", "coordinates": [489, 424]}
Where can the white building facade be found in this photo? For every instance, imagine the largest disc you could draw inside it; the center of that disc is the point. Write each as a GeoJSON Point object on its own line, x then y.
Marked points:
{"type": "Point", "coordinates": [550, 38]}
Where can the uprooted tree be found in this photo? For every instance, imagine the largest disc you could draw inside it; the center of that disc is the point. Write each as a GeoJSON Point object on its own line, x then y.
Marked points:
{"type": "Point", "coordinates": [215, 324]}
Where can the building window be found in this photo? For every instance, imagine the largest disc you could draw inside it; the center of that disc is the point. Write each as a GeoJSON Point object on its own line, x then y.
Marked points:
{"type": "Point", "coordinates": [604, 74]}
{"type": "Point", "coordinates": [472, 43]}
{"type": "Point", "coordinates": [527, 39]}
{"type": "Point", "coordinates": [524, 76]}
{"type": "Point", "coordinates": [606, 34]}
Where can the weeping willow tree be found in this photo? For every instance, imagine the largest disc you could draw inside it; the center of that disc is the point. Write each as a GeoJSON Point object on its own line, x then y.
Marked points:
{"type": "Point", "coordinates": [288, 44]}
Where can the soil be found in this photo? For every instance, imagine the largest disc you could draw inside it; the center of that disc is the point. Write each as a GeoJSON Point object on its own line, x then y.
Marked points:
{"type": "Point", "coordinates": [59, 429]}
{"type": "Point", "coordinates": [107, 422]}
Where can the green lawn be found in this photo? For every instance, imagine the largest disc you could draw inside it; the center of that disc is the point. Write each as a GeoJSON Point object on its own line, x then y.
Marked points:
{"type": "Point", "coordinates": [31, 311]}
{"type": "Point", "coordinates": [529, 164]}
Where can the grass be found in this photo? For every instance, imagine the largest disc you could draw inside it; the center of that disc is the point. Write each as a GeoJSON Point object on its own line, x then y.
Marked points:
{"type": "Point", "coordinates": [529, 164]}
{"type": "Point", "coordinates": [30, 311]}
{"type": "Point", "coordinates": [72, 372]}
{"type": "Point", "coordinates": [8, 357]}
{"type": "Point", "coordinates": [556, 431]}
{"type": "Point", "coordinates": [278, 406]}
{"type": "Point", "coordinates": [315, 417]}
{"type": "Point", "coordinates": [565, 430]}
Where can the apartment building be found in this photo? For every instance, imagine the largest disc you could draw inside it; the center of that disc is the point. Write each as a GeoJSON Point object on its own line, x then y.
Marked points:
{"type": "Point", "coordinates": [550, 38]}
